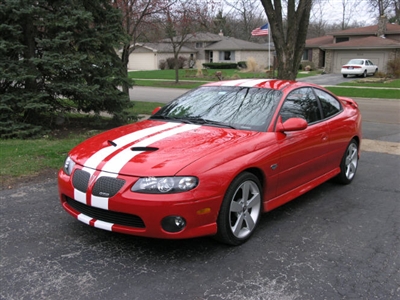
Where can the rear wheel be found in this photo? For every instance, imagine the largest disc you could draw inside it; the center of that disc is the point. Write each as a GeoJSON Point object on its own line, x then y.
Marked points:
{"type": "Point", "coordinates": [344, 75]}
{"type": "Point", "coordinates": [240, 210]}
{"type": "Point", "coordinates": [364, 74]}
{"type": "Point", "coordinates": [349, 163]}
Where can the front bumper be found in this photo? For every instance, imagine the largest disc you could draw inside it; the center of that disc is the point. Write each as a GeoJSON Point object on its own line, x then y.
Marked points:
{"type": "Point", "coordinates": [141, 214]}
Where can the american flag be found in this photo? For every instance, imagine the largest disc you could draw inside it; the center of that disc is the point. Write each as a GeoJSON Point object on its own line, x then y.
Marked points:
{"type": "Point", "coordinates": [263, 30]}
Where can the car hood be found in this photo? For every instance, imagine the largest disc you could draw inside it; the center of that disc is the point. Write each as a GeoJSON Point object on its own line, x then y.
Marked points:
{"type": "Point", "coordinates": [154, 148]}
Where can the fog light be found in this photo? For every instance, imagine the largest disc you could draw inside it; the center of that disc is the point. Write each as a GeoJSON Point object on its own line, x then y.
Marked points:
{"type": "Point", "coordinates": [173, 223]}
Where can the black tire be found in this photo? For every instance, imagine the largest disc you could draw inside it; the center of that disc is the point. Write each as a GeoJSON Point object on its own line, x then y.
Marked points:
{"type": "Point", "coordinates": [364, 74]}
{"type": "Point", "coordinates": [345, 75]}
{"type": "Point", "coordinates": [349, 163]}
{"type": "Point", "coordinates": [240, 212]}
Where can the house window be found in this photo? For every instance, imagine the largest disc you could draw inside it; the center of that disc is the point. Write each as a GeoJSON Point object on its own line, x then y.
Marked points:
{"type": "Point", "coordinates": [341, 40]}
{"type": "Point", "coordinates": [199, 45]}
{"type": "Point", "coordinates": [305, 55]}
{"type": "Point", "coordinates": [227, 55]}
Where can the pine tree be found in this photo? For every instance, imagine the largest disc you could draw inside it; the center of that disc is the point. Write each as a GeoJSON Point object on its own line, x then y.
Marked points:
{"type": "Point", "coordinates": [57, 56]}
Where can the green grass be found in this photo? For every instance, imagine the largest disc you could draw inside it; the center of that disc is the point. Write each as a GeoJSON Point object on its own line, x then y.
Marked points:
{"type": "Point", "coordinates": [388, 84]}
{"type": "Point", "coordinates": [365, 93]}
{"type": "Point", "coordinates": [27, 158]}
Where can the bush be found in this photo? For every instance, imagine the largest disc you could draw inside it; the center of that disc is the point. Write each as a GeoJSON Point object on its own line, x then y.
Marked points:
{"type": "Point", "coordinates": [220, 65]}
{"type": "Point", "coordinates": [393, 67]}
{"type": "Point", "coordinates": [162, 64]}
{"type": "Point", "coordinates": [171, 62]}
{"type": "Point", "coordinates": [307, 65]}
{"type": "Point", "coordinates": [242, 64]}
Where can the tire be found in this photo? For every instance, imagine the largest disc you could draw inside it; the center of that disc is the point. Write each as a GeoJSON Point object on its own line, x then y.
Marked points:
{"type": "Point", "coordinates": [364, 74]}
{"type": "Point", "coordinates": [345, 75]}
{"type": "Point", "coordinates": [240, 210]}
{"type": "Point", "coordinates": [349, 163]}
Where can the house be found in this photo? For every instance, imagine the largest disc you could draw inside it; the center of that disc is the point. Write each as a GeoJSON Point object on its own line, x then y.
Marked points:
{"type": "Point", "coordinates": [148, 56]}
{"type": "Point", "coordinates": [200, 47]}
{"type": "Point", "coordinates": [379, 43]}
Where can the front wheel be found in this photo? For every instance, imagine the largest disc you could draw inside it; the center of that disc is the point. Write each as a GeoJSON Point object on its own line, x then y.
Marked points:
{"type": "Point", "coordinates": [345, 75]}
{"type": "Point", "coordinates": [240, 210]}
{"type": "Point", "coordinates": [349, 163]}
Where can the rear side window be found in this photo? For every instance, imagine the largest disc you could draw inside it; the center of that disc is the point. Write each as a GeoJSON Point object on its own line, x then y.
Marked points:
{"type": "Point", "coordinates": [330, 106]}
{"type": "Point", "coordinates": [301, 103]}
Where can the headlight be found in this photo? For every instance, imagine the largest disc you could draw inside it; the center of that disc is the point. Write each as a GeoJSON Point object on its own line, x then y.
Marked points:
{"type": "Point", "coordinates": [68, 165]}
{"type": "Point", "coordinates": [163, 185]}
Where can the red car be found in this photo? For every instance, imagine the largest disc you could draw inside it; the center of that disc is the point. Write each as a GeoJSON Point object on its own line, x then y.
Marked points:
{"type": "Point", "coordinates": [210, 162]}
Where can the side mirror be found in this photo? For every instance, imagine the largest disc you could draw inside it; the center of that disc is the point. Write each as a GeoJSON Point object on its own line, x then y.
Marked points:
{"type": "Point", "coordinates": [155, 110]}
{"type": "Point", "coordinates": [292, 124]}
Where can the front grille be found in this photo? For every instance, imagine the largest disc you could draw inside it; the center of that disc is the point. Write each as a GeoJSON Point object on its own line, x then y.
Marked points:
{"type": "Point", "coordinates": [106, 215]}
{"type": "Point", "coordinates": [80, 180]}
{"type": "Point", "coordinates": [107, 186]}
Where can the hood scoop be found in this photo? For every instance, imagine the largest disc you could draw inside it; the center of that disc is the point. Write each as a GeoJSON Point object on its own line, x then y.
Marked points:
{"type": "Point", "coordinates": [148, 149]}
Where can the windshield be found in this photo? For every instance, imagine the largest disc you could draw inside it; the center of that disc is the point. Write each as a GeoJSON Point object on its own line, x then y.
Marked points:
{"type": "Point", "coordinates": [356, 62]}
{"type": "Point", "coordinates": [224, 106]}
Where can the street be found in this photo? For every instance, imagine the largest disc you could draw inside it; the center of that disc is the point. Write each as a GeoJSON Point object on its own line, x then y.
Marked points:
{"type": "Point", "coordinates": [335, 242]}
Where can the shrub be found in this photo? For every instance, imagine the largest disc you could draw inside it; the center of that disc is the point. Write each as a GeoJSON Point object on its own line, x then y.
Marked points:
{"type": "Point", "coordinates": [307, 65]}
{"type": "Point", "coordinates": [252, 65]}
{"type": "Point", "coordinates": [393, 67]}
{"type": "Point", "coordinates": [220, 65]}
{"type": "Point", "coordinates": [242, 64]}
{"type": "Point", "coordinates": [171, 62]}
{"type": "Point", "coordinates": [162, 64]}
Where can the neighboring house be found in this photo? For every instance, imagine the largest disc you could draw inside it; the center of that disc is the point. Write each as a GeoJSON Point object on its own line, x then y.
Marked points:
{"type": "Point", "coordinates": [148, 56]}
{"type": "Point", "coordinates": [379, 43]}
{"type": "Point", "coordinates": [201, 47]}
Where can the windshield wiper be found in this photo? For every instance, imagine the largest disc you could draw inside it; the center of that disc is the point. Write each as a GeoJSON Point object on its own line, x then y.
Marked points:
{"type": "Point", "coordinates": [202, 121]}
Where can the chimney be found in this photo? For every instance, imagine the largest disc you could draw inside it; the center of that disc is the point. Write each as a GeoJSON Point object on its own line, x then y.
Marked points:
{"type": "Point", "coordinates": [382, 26]}
{"type": "Point", "coordinates": [220, 33]}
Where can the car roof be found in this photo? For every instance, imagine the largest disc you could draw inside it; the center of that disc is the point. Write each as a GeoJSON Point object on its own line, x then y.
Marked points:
{"type": "Point", "coordinates": [275, 84]}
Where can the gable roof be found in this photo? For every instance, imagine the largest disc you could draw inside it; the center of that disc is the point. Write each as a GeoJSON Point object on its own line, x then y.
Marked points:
{"type": "Point", "coordinates": [230, 43]}
{"type": "Point", "coordinates": [370, 42]}
{"type": "Point", "coordinates": [319, 41]}
{"type": "Point", "coordinates": [163, 48]}
{"type": "Point", "coordinates": [368, 30]}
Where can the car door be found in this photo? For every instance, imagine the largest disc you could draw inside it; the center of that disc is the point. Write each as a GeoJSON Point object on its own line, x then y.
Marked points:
{"type": "Point", "coordinates": [370, 67]}
{"type": "Point", "coordinates": [303, 152]}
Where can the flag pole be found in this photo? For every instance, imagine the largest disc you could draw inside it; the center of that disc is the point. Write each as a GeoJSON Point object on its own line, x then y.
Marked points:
{"type": "Point", "coordinates": [269, 47]}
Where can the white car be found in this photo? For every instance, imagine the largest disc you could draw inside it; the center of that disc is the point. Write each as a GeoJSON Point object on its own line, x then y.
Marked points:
{"type": "Point", "coordinates": [359, 67]}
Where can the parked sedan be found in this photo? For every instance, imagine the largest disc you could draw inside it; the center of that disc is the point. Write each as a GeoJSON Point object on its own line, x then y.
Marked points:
{"type": "Point", "coordinates": [210, 162]}
{"type": "Point", "coordinates": [359, 67]}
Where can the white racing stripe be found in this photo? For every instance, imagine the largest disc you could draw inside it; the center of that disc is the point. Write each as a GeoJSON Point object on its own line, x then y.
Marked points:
{"type": "Point", "coordinates": [115, 164]}
{"type": "Point", "coordinates": [252, 82]}
{"type": "Point", "coordinates": [122, 141]}
{"type": "Point", "coordinates": [81, 196]}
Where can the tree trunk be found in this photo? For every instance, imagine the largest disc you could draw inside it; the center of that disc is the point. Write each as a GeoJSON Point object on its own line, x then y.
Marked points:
{"type": "Point", "coordinates": [289, 43]}
{"type": "Point", "coordinates": [176, 68]}
{"type": "Point", "coordinates": [125, 61]}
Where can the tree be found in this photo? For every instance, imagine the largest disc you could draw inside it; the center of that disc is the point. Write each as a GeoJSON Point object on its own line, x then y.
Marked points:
{"type": "Point", "coordinates": [56, 56]}
{"type": "Point", "coordinates": [390, 8]}
{"type": "Point", "coordinates": [290, 42]}
{"type": "Point", "coordinates": [180, 23]}
{"type": "Point", "coordinates": [245, 16]}
{"type": "Point", "coordinates": [136, 20]}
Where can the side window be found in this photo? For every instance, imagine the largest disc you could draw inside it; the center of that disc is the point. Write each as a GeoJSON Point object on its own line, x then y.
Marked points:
{"type": "Point", "coordinates": [301, 103]}
{"type": "Point", "coordinates": [330, 106]}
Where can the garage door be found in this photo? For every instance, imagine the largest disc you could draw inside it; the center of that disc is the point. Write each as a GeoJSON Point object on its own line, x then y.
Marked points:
{"type": "Point", "coordinates": [379, 58]}
{"type": "Point", "coordinates": [141, 61]}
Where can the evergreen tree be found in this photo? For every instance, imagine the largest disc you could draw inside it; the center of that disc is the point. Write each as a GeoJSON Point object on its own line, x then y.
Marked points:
{"type": "Point", "coordinates": [56, 56]}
